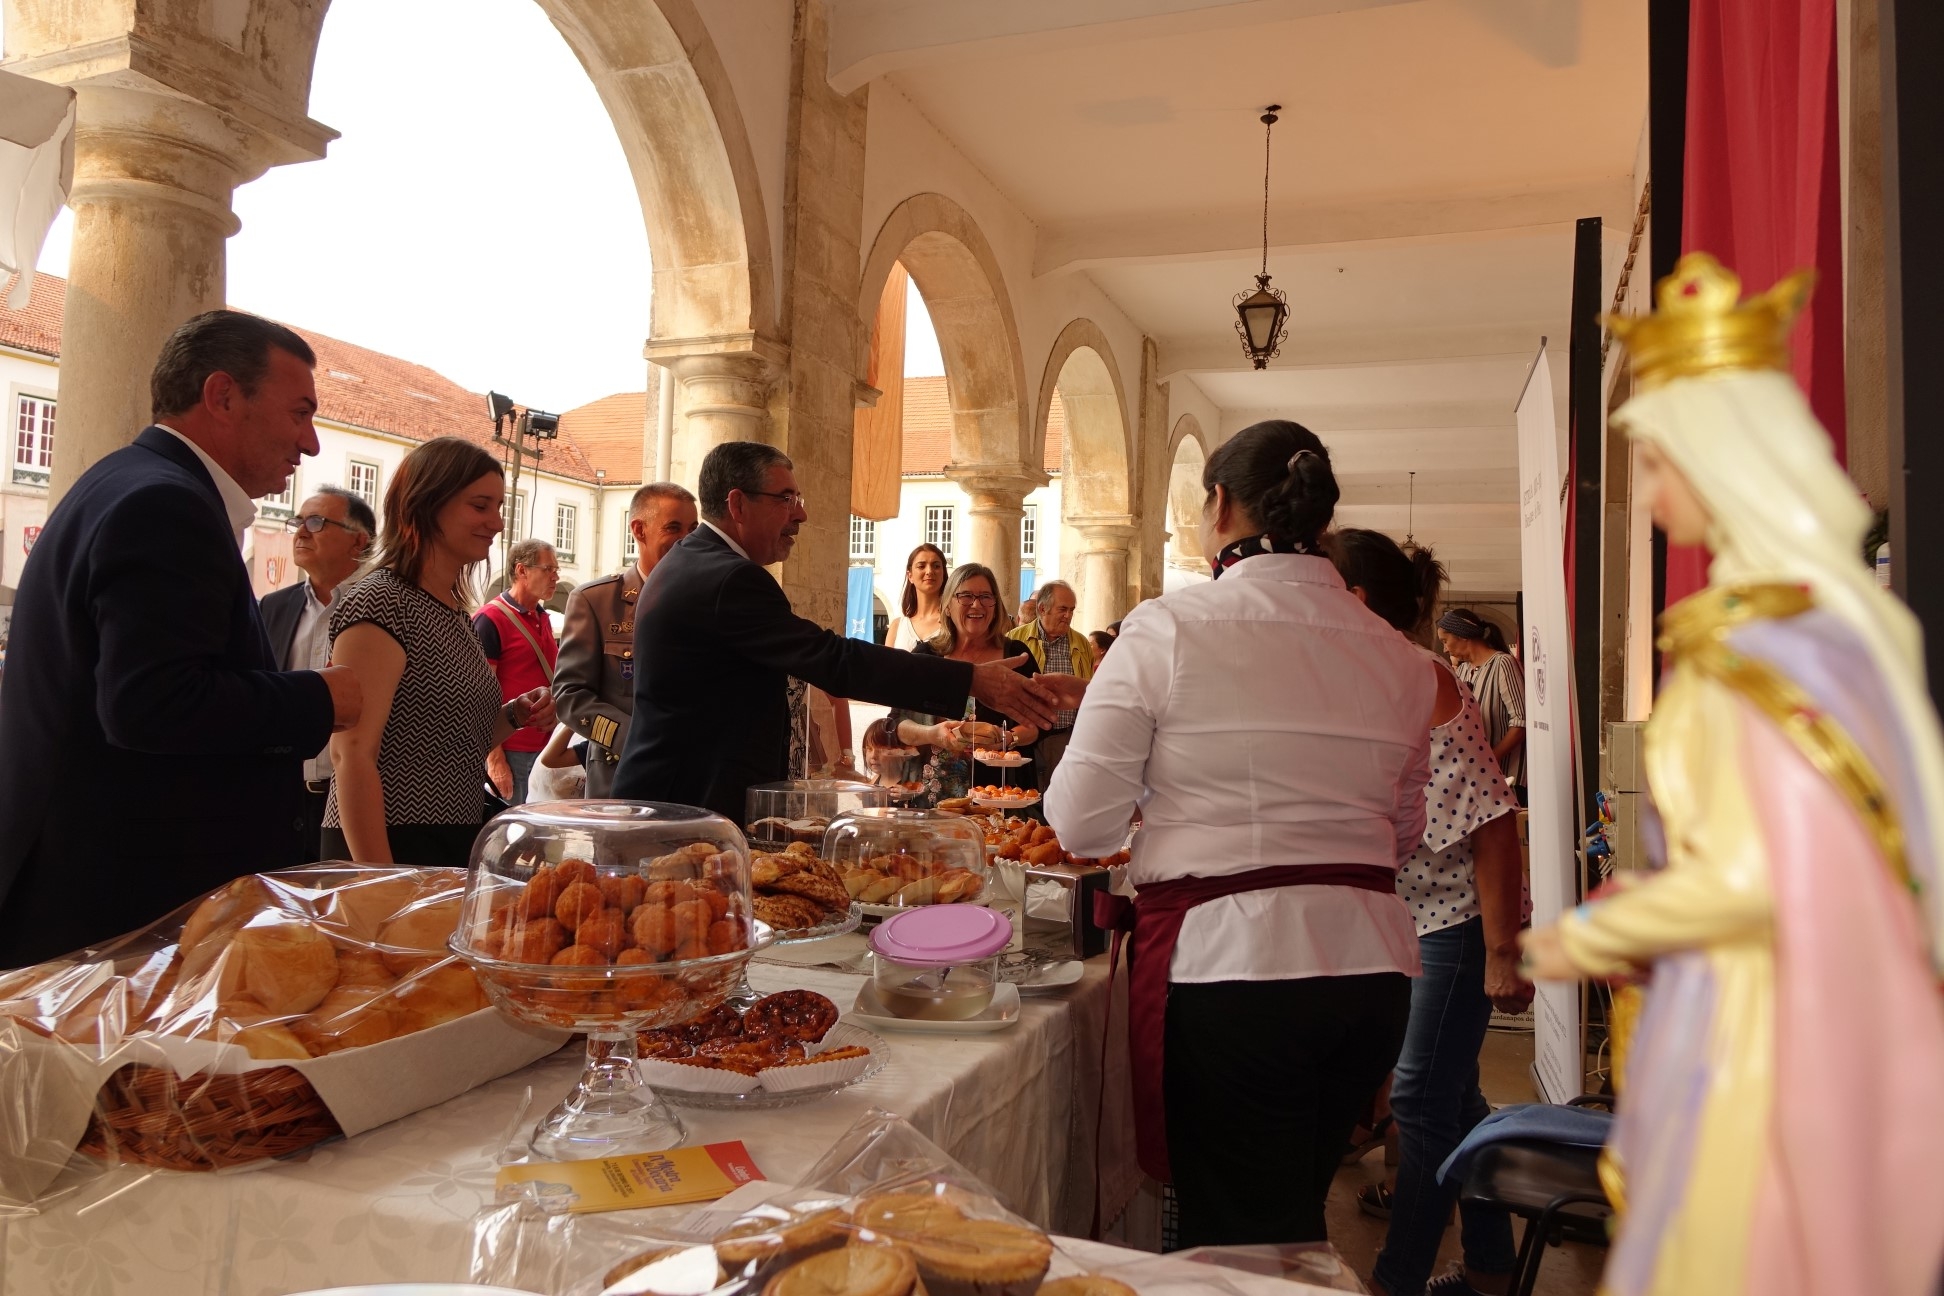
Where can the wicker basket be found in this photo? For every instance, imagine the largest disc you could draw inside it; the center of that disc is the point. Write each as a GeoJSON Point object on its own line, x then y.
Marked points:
{"type": "Point", "coordinates": [150, 1115]}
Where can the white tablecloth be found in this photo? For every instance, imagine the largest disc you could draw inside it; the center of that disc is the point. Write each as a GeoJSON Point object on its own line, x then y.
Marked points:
{"type": "Point", "coordinates": [395, 1204]}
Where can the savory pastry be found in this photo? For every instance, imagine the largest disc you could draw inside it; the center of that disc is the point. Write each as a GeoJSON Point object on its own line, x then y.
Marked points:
{"type": "Point", "coordinates": [749, 1056]}
{"type": "Point", "coordinates": [720, 1022]}
{"type": "Point", "coordinates": [978, 1257]}
{"type": "Point", "coordinates": [954, 805]}
{"type": "Point", "coordinates": [898, 1213]}
{"type": "Point", "coordinates": [669, 1043]}
{"type": "Point", "coordinates": [828, 893]}
{"type": "Point", "coordinates": [786, 912]}
{"type": "Point", "coordinates": [791, 1014]}
{"type": "Point", "coordinates": [855, 1270]}
{"type": "Point", "coordinates": [288, 967]}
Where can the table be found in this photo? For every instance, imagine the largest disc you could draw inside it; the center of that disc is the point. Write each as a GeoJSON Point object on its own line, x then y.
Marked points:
{"type": "Point", "coordinates": [397, 1203]}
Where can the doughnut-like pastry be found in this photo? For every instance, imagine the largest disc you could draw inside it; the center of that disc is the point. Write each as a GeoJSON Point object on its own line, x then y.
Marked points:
{"type": "Point", "coordinates": [578, 902]}
{"type": "Point", "coordinates": [791, 1014]}
{"type": "Point", "coordinates": [536, 941]}
{"type": "Point", "coordinates": [579, 956]}
{"type": "Point", "coordinates": [646, 992]}
{"type": "Point", "coordinates": [541, 894]}
{"type": "Point", "coordinates": [575, 870]}
{"type": "Point", "coordinates": [605, 932]}
{"type": "Point", "coordinates": [672, 892]}
{"type": "Point", "coordinates": [622, 891]}
{"type": "Point", "coordinates": [726, 936]}
{"type": "Point", "coordinates": [712, 894]}
{"type": "Point", "coordinates": [655, 930]}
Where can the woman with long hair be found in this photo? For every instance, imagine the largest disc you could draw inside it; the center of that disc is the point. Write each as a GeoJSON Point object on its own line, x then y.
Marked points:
{"type": "Point", "coordinates": [974, 631]}
{"type": "Point", "coordinates": [409, 787]}
{"type": "Point", "coordinates": [1462, 884]}
{"type": "Point", "coordinates": [922, 606]}
{"type": "Point", "coordinates": [1275, 738]}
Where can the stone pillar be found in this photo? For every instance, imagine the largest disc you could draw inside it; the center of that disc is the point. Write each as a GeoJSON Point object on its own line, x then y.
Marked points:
{"type": "Point", "coordinates": [153, 178]}
{"type": "Point", "coordinates": [998, 494]}
{"type": "Point", "coordinates": [720, 397]}
{"type": "Point", "coordinates": [1105, 595]}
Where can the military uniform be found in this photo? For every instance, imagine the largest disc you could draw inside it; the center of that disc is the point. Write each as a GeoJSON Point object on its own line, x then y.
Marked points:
{"type": "Point", "coordinates": [594, 678]}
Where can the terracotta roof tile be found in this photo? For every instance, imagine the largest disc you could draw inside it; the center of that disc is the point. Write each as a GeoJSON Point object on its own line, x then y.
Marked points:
{"type": "Point", "coordinates": [356, 386]}
{"type": "Point", "coordinates": [613, 432]}
{"type": "Point", "coordinates": [928, 428]}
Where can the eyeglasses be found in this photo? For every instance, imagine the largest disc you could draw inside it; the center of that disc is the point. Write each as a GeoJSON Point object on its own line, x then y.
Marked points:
{"type": "Point", "coordinates": [987, 599]}
{"type": "Point", "coordinates": [789, 499]}
{"type": "Point", "coordinates": [315, 522]}
{"type": "Point", "coordinates": [551, 571]}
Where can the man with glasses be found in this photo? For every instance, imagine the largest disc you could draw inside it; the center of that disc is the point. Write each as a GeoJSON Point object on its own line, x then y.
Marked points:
{"type": "Point", "coordinates": [333, 532]}
{"type": "Point", "coordinates": [712, 715]}
{"type": "Point", "coordinates": [518, 638]}
{"type": "Point", "coordinates": [1058, 649]}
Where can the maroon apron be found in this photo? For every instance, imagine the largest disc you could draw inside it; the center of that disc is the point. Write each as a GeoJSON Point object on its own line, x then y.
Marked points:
{"type": "Point", "coordinates": [1158, 912]}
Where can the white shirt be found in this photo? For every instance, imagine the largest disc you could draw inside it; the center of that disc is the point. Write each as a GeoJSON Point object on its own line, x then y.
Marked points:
{"type": "Point", "coordinates": [727, 539]}
{"type": "Point", "coordinates": [310, 649]}
{"type": "Point", "coordinates": [237, 504]}
{"type": "Point", "coordinates": [1264, 719]}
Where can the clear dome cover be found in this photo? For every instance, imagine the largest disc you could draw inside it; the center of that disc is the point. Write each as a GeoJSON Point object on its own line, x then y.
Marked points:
{"type": "Point", "coordinates": [801, 810]}
{"type": "Point", "coordinates": [899, 858]}
{"type": "Point", "coordinates": [608, 917]}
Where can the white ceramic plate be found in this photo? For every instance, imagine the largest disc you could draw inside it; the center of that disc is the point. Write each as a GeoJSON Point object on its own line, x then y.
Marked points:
{"type": "Point", "coordinates": [1001, 1013]}
{"type": "Point", "coordinates": [1002, 760]}
{"type": "Point", "coordinates": [1053, 976]}
{"type": "Point", "coordinates": [840, 1035]}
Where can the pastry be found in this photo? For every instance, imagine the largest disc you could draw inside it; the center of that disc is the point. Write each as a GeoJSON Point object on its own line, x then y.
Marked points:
{"type": "Point", "coordinates": [437, 995]}
{"type": "Point", "coordinates": [349, 1017]}
{"type": "Point", "coordinates": [764, 1238]}
{"type": "Point", "coordinates": [977, 1257]}
{"type": "Point", "coordinates": [362, 967]}
{"type": "Point", "coordinates": [749, 1055]}
{"type": "Point", "coordinates": [578, 902]}
{"type": "Point", "coordinates": [270, 1042]}
{"type": "Point", "coordinates": [622, 891]}
{"type": "Point", "coordinates": [791, 1014]}
{"type": "Point", "coordinates": [288, 967]}
{"type": "Point", "coordinates": [1085, 1285]}
{"type": "Point", "coordinates": [360, 909]}
{"type": "Point", "coordinates": [854, 1270]}
{"type": "Point", "coordinates": [720, 1022]}
{"type": "Point", "coordinates": [663, 1044]}
{"type": "Point", "coordinates": [828, 893]}
{"type": "Point", "coordinates": [898, 1213]}
{"type": "Point", "coordinates": [786, 912]}
{"type": "Point", "coordinates": [605, 932]}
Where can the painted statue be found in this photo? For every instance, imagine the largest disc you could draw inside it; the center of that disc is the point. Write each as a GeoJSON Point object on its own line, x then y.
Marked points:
{"type": "Point", "coordinates": [1779, 1128]}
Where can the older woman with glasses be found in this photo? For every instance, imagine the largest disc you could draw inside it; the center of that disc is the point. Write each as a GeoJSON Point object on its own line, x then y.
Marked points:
{"type": "Point", "coordinates": [974, 631]}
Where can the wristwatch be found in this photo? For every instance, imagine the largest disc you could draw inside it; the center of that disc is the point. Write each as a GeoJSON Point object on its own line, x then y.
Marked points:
{"type": "Point", "coordinates": [512, 716]}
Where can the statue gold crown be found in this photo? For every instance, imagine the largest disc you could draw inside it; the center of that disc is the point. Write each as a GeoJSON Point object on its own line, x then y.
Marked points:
{"type": "Point", "coordinates": [1704, 327]}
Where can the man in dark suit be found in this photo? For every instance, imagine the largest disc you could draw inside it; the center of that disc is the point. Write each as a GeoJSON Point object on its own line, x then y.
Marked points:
{"type": "Point", "coordinates": [716, 643]}
{"type": "Point", "coordinates": [332, 534]}
{"type": "Point", "coordinates": [149, 748]}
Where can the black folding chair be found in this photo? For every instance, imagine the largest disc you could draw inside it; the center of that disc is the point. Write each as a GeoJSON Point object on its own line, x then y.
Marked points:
{"type": "Point", "coordinates": [1554, 1187]}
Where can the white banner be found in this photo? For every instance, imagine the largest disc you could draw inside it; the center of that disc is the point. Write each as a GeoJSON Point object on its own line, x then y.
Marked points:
{"type": "Point", "coordinates": [1548, 652]}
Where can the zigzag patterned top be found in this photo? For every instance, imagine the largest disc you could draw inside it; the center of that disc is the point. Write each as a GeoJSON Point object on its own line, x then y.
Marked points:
{"type": "Point", "coordinates": [432, 756]}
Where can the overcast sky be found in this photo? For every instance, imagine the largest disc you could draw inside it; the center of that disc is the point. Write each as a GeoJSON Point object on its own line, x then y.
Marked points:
{"type": "Point", "coordinates": [476, 216]}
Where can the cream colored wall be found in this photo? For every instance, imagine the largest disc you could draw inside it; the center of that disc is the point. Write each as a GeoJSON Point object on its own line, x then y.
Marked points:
{"type": "Point", "coordinates": [21, 506]}
{"type": "Point", "coordinates": [898, 536]}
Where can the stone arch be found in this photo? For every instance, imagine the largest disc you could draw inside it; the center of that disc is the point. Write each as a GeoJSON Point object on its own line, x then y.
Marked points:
{"type": "Point", "coordinates": [681, 129]}
{"type": "Point", "coordinates": [1187, 452]}
{"type": "Point", "coordinates": [965, 292]}
{"type": "Point", "coordinates": [1098, 458]}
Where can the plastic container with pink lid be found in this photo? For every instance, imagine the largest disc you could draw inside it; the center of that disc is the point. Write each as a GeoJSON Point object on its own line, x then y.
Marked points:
{"type": "Point", "coordinates": [939, 963]}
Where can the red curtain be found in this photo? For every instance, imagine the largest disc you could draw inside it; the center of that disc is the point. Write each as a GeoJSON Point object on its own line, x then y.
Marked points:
{"type": "Point", "coordinates": [1763, 183]}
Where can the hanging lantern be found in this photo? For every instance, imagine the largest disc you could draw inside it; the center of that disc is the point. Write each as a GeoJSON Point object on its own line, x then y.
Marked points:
{"type": "Point", "coordinates": [1262, 314]}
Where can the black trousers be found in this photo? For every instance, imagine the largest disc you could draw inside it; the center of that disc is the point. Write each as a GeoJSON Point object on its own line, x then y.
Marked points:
{"type": "Point", "coordinates": [415, 845]}
{"type": "Point", "coordinates": [310, 824]}
{"type": "Point", "coordinates": [1263, 1082]}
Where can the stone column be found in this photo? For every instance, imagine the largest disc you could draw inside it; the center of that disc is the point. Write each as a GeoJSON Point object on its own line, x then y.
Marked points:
{"type": "Point", "coordinates": [720, 396]}
{"type": "Point", "coordinates": [998, 494]}
{"type": "Point", "coordinates": [1103, 569]}
{"type": "Point", "coordinates": [153, 178]}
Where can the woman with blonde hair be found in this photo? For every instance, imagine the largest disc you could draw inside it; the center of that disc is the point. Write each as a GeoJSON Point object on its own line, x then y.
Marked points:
{"type": "Point", "coordinates": [974, 631]}
{"type": "Point", "coordinates": [922, 605]}
{"type": "Point", "coordinates": [409, 786]}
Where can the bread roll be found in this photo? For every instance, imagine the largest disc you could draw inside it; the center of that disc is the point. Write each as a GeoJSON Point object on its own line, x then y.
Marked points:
{"type": "Point", "coordinates": [417, 938]}
{"type": "Point", "coordinates": [221, 914]}
{"type": "Point", "coordinates": [359, 910]}
{"type": "Point", "coordinates": [349, 1017]}
{"type": "Point", "coordinates": [271, 1041]}
{"type": "Point", "coordinates": [362, 967]}
{"type": "Point", "coordinates": [288, 967]}
{"type": "Point", "coordinates": [440, 994]}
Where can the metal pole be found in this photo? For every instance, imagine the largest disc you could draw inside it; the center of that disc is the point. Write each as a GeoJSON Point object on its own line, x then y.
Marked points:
{"type": "Point", "coordinates": [1587, 434]}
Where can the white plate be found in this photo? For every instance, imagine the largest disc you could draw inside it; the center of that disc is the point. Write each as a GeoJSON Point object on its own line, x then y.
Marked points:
{"type": "Point", "coordinates": [1053, 976]}
{"type": "Point", "coordinates": [1010, 803]}
{"type": "Point", "coordinates": [1003, 760]}
{"type": "Point", "coordinates": [1002, 1012]}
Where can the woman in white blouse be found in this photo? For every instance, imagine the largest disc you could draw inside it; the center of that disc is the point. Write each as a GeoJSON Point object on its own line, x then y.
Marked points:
{"type": "Point", "coordinates": [1274, 735]}
{"type": "Point", "coordinates": [923, 602]}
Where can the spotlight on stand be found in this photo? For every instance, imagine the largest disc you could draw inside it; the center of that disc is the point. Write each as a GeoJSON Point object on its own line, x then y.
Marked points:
{"type": "Point", "coordinates": [1262, 313]}
{"type": "Point", "coordinates": [498, 407]}
{"type": "Point", "coordinates": [539, 424]}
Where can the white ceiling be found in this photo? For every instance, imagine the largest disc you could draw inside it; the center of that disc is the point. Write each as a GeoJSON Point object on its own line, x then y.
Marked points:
{"type": "Point", "coordinates": [1430, 162]}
